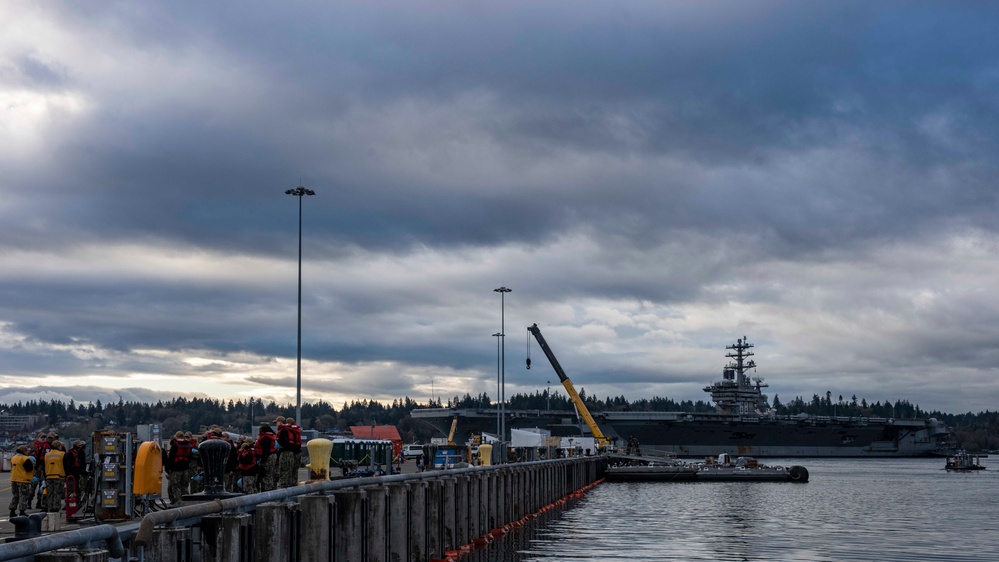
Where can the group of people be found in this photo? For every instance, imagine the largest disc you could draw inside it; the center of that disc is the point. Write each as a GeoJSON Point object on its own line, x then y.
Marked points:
{"type": "Point", "coordinates": [270, 461]}
{"type": "Point", "coordinates": [47, 472]}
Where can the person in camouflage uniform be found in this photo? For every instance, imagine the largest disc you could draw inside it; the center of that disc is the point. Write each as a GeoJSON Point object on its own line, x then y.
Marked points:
{"type": "Point", "coordinates": [55, 477]}
{"type": "Point", "coordinates": [265, 448]}
{"type": "Point", "coordinates": [42, 445]}
{"type": "Point", "coordinates": [178, 467]}
{"type": "Point", "coordinates": [247, 466]}
{"type": "Point", "coordinates": [289, 438]}
{"type": "Point", "coordinates": [22, 469]}
{"type": "Point", "coordinates": [194, 475]}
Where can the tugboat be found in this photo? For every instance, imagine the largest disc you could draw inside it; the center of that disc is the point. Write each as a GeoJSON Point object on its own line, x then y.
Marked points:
{"type": "Point", "coordinates": [963, 461]}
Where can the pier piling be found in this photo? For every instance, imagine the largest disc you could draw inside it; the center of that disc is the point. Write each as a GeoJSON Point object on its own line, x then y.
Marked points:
{"type": "Point", "coordinates": [348, 534]}
{"type": "Point", "coordinates": [317, 521]}
{"type": "Point", "coordinates": [397, 518]}
{"type": "Point", "coordinates": [273, 521]}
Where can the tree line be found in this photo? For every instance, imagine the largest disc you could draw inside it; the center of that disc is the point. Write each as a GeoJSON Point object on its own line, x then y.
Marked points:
{"type": "Point", "coordinates": [972, 430]}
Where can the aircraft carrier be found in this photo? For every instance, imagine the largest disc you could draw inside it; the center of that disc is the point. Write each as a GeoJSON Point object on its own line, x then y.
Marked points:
{"type": "Point", "coordinates": [736, 427]}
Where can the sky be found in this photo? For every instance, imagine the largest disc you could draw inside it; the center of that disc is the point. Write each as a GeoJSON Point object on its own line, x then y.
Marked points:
{"type": "Point", "coordinates": [652, 180]}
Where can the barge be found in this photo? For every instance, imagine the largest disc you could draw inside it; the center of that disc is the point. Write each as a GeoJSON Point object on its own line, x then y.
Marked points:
{"type": "Point", "coordinates": [724, 469]}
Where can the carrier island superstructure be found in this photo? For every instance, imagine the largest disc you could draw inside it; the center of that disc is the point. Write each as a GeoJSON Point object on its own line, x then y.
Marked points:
{"type": "Point", "coordinates": [738, 426]}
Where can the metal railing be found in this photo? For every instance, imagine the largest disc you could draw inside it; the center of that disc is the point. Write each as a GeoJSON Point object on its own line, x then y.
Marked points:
{"type": "Point", "coordinates": [115, 537]}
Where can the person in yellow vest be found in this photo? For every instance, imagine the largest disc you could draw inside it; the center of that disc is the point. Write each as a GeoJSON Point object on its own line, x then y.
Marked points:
{"type": "Point", "coordinates": [22, 470]}
{"type": "Point", "coordinates": [55, 484]}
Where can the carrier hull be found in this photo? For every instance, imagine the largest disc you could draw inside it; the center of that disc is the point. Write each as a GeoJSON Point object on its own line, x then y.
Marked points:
{"type": "Point", "coordinates": [701, 435]}
{"type": "Point", "coordinates": [697, 436]}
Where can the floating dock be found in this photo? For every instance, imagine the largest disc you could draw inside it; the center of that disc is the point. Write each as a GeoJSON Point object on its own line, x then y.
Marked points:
{"type": "Point", "coordinates": [631, 468]}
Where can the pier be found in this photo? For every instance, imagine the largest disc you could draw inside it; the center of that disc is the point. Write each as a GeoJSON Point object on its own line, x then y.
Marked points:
{"type": "Point", "coordinates": [418, 517]}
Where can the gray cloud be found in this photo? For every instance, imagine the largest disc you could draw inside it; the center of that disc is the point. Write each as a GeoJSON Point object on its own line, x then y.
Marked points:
{"type": "Point", "coordinates": [652, 180]}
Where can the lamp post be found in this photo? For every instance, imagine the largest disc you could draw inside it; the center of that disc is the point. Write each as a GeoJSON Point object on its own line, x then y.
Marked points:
{"type": "Point", "coordinates": [502, 291]}
{"type": "Point", "coordinates": [498, 335]}
{"type": "Point", "coordinates": [299, 192]}
{"type": "Point", "coordinates": [548, 396]}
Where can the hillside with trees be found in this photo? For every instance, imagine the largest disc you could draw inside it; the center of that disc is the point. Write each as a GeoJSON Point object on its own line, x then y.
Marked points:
{"type": "Point", "coordinates": [974, 431]}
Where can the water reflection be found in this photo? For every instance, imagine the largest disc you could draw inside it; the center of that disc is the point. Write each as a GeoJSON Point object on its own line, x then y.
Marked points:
{"type": "Point", "coordinates": [851, 510]}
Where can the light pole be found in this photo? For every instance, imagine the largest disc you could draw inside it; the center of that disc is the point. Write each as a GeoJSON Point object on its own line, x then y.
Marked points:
{"type": "Point", "coordinates": [548, 395]}
{"type": "Point", "coordinates": [299, 192]}
{"type": "Point", "coordinates": [498, 335]}
{"type": "Point", "coordinates": [502, 291]}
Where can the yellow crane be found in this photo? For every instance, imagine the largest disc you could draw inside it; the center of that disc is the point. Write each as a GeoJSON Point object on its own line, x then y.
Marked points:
{"type": "Point", "coordinates": [454, 427]}
{"type": "Point", "coordinates": [598, 435]}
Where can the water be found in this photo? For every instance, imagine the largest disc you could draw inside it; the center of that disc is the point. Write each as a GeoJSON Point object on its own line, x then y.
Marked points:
{"type": "Point", "coordinates": [851, 509]}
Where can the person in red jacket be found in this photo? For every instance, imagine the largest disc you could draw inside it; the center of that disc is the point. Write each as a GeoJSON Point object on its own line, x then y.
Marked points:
{"type": "Point", "coordinates": [76, 466]}
{"type": "Point", "coordinates": [289, 438]}
{"type": "Point", "coordinates": [178, 467]}
{"type": "Point", "coordinates": [43, 444]}
{"type": "Point", "coordinates": [247, 459]}
{"type": "Point", "coordinates": [265, 448]}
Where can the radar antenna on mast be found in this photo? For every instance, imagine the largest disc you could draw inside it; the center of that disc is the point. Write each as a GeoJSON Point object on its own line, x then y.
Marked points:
{"type": "Point", "coordinates": [736, 393]}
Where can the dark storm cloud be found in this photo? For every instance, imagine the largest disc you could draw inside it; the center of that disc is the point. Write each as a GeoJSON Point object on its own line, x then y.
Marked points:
{"type": "Point", "coordinates": [627, 83]}
{"type": "Point", "coordinates": [135, 315]}
{"type": "Point", "coordinates": [592, 156]}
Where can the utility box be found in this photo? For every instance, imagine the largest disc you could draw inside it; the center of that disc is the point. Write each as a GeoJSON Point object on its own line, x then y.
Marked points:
{"type": "Point", "coordinates": [148, 432]}
{"type": "Point", "coordinates": [115, 453]}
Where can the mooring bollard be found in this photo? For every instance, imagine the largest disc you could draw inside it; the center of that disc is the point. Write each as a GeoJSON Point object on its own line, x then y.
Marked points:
{"type": "Point", "coordinates": [319, 458]}
{"type": "Point", "coordinates": [214, 454]}
{"type": "Point", "coordinates": [27, 526]}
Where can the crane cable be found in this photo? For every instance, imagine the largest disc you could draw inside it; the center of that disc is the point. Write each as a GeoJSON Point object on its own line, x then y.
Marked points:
{"type": "Point", "coordinates": [528, 349]}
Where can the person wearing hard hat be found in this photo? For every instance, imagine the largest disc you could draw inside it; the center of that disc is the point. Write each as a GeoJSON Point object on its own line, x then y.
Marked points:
{"type": "Point", "coordinates": [247, 462]}
{"type": "Point", "coordinates": [22, 470]}
{"type": "Point", "coordinates": [42, 445]}
{"type": "Point", "coordinates": [178, 467]}
{"type": "Point", "coordinates": [289, 437]}
{"type": "Point", "coordinates": [266, 449]}
{"type": "Point", "coordinates": [55, 484]}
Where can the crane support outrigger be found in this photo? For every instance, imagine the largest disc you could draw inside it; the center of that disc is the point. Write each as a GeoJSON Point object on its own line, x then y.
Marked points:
{"type": "Point", "coordinates": [598, 436]}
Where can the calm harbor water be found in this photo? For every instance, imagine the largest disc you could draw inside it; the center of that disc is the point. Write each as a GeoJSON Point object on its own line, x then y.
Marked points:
{"type": "Point", "coordinates": [851, 509]}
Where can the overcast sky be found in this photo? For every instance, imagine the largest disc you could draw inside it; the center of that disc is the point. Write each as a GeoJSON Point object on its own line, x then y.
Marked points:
{"type": "Point", "coordinates": [653, 180]}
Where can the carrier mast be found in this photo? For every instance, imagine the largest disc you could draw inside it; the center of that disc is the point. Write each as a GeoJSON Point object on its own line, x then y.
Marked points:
{"type": "Point", "coordinates": [736, 393]}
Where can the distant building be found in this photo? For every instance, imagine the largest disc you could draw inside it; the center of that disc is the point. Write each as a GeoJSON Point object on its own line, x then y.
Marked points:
{"type": "Point", "coordinates": [386, 432]}
{"type": "Point", "coordinates": [16, 424]}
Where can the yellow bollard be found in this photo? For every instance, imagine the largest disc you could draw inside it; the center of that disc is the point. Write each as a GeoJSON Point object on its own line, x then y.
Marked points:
{"type": "Point", "coordinates": [319, 458]}
{"type": "Point", "coordinates": [485, 455]}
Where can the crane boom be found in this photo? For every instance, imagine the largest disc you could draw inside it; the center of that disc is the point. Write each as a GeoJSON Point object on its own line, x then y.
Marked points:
{"type": "Point", "coordinates": [573, 395]}
{"type": "Point", "coordinates": [454, 427]}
